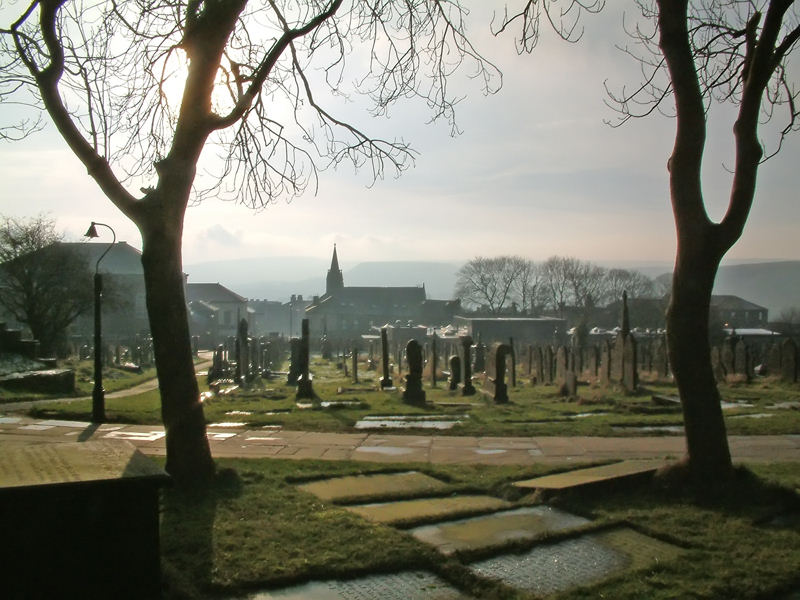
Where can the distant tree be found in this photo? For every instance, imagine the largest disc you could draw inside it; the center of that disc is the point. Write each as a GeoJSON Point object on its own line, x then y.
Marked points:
{"type": "Point", "coordinates": [489, 282]}
{"type": "Point", "coordinates": [44, 284]}
{"type": "Point", "coordinates": [529, 289]}
{"type": "Point", "coordinates": [616, 281]}
{"type": "Point", "coordinates": [698, 54]}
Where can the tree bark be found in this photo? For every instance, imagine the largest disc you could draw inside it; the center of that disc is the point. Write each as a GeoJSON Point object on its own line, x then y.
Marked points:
{"type": "Point", "coordinates": [188, 454]}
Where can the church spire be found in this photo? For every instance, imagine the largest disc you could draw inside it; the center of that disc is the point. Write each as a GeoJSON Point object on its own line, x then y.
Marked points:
{"type": "Point", "coordinates": [334, 281]}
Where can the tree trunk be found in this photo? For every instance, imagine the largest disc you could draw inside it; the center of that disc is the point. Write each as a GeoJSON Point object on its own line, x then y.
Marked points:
{"type": "Point", "coordinates": [690, 356]}
{"type": "Point", "coordinates": [188, 454]}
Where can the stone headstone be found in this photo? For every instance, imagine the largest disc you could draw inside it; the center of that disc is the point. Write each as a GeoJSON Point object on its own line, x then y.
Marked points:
{"type": "Point", "coordinates": [480, 358]}
{"type": "Point", "coordinates": [561, 365]}
{"type": "Point", "coordinates": [716, 364]}
{"type": "Point", "coordinates": [355, 364]}
{"type": "Point", "coordinates": [294, 361]}
{"type": "Point", "coordinates": [413, 391]}
{"type": "Point", "coordinates": [386, 381]}
{"type": "Point", "coordinates": [495, 382]}
{"type": "Point", "coordinates": [304, 388]}
{"type": "Point", "coordinates": [630, 375]}
{"type": "Point", "coordinates": [741, 360]}
{"type": "Point", "coordinates": [548, 365]}
{"type": "Point", "coordinates": [466, 346]}
{"type": "Point", "coordinates": [605, 363]}
{"type": "Point", "coordinates": [455, 372]}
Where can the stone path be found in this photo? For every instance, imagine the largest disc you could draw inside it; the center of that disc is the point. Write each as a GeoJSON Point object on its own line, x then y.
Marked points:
{"type": "Point", "coordinates": [273, 442]}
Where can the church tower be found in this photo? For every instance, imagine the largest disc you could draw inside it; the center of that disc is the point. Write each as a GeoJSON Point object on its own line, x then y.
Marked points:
{"type": "Point", "coordinates": [334, 281]}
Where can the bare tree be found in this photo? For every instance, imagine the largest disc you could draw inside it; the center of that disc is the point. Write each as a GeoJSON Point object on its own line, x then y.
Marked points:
{"type": "Point", "coordinates": [699, 55]}
{"type": "Point", "coordinates": [616, 281]}
{"type": "Point", "coordinates": [489, 282]}
{"type": "Point", "coordinates": [139, 88]}
{"type": "Point", "coordinates": [44, 284]}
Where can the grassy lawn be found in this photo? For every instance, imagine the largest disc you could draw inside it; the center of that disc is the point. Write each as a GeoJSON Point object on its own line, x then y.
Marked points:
{"type": "Point", "coordinates": [256, 530]}
{"type": "Point", "coordinates": [533, 409]}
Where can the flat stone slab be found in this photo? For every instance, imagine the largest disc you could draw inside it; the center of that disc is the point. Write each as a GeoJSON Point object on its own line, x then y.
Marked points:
{"type": "Point", "coordinates": [585, 560]}
{"type": "Point", "coordinates": [489, 530]}
{"type": "Point", "coordinates": [427, 508]}
{"type": "Point", "coordinates": [614, 471]}
{"type": "Point", "coordinates": [411, 585]}
{"type": "Point", "coordinates": [378, 485]}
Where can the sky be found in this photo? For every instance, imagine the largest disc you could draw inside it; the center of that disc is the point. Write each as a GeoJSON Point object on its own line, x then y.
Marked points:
{"type": "Point", "coordinates": [535, 172]}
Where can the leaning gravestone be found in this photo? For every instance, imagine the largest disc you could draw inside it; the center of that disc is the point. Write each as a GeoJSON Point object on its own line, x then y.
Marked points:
{"type": "Point", "coordinates": [413, 391]}
{"type": "Point", "coordinates": [495, 382]}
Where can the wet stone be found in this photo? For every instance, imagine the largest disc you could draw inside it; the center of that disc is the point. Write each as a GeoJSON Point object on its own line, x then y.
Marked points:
{"type": "Point", "coordinates": [427, 508]}
{"type": "Point", "coordinates": [412, 585]}
{"type": "Point", "coordinates": [591, 475]}
{"type": "Point", "coordinates": [585, 560]}
{"type": "Point", "coordinates": [489, 530]}
{"type": "Point", "coordinates": [379, 485]}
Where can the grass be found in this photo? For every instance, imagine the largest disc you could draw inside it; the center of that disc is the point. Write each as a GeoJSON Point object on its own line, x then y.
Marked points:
{"type": "Point", "coordinates": [533, 410]}
{"type": "Point", "coordinates": [257, 530]}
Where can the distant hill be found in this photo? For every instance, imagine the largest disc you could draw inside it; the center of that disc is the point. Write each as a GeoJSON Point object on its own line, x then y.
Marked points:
{"type": "Point", "coordinates": [774, 285]}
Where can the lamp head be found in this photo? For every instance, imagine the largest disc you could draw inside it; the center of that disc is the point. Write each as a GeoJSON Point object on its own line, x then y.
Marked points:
{"type": "Point", "coordinates": [92, 232]}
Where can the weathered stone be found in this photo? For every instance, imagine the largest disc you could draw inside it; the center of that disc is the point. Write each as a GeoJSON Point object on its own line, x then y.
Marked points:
{"type": "Point", "coordinates": [455, 372]}
{"type": "Point", "coordinates": [789, 361]}
{"type": "Point", "coordinates": [495, 382]}
{"type": "Point", "coordinates": [630, 375]}
{"type": "Point", "coordinates": [386, 381]}
{"type": "Point", "coordinates": [466, 348]}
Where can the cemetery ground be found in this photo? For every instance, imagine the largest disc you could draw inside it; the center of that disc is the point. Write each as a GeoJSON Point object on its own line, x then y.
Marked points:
{"type": "Point", "coordinates": [261, 529]}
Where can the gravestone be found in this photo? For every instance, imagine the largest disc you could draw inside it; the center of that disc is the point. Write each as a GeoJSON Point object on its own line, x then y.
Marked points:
{"type": "Point", "coordinates": [413, 391]}
{"type": "Point", "coordinates": [455, 372]}
{"type": "Point", "coordinates": [548, 365]}
{"type": "Point", "coordinates": [789, 361]}
{"type": "Point", "coordinates": [605, 362]}
{"type": "Point", "coordinates": [774, 360]}
{"type": "Point", "coordinates": [217, 369]}
{"type": "Point", "coordinates": [561, 365]}
{"type": "Point", "coordinates": [617, 358]}
{"type": "Point", "coordinates": [325, 347]}
{"type": "Point", "coordinates": [660, 358]}
{"type": "Point", "coordinates": [434, 360]}
{"type": "Point", "coordinates": [294, 361]}
{"type": "Point", "coordinates": [741, 360]}
{"type": "Point", "coordinates": [355, 364]}
{"type": "Point", "coordinates": [594, 361]}
{"type": "Point", "coordinates": [727, 356]}
{"type": "Point", "coordinates": [495, 382]}
{"type": "Point", "coordinates": [386, 381]}
{"type": "Point", "coordinates": [466, 344]}
{"type": "Point", "coordinates": [716, 364]}
{"type": "Point", "coordinates": [513, 362]}
{"type": "Point", "coordinates": [304, 388]}
{"type": "Point", "coordinates": [480, 358]}
{"type": "Point", "coordinates": [630, 375]}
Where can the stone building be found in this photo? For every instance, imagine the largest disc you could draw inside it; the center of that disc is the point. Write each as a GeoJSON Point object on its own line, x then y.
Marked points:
{"type": "Point", "coordinates": [344, 312]}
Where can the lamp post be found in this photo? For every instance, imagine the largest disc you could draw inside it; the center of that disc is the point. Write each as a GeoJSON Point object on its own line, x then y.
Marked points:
{"type": "Point", "coordinates": [98, 394]}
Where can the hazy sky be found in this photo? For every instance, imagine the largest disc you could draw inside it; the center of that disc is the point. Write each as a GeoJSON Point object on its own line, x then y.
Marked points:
{"type": "Point", "coordinates": [536, 172]}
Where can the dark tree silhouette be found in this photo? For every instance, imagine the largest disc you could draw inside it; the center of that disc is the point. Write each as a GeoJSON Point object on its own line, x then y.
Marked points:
{"type": "Point", "coordinates": [43, 283]}
{"type": "Point", "coordinates": [702, 54]}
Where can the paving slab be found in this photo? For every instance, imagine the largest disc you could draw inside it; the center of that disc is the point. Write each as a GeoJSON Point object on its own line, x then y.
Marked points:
{"type": "Point", "coordinates": [428, 508]}
{"type": "Point", "coordinates": [411, 585]}
{"type": "Point", "coordinates": [377, 486]}
{"type": "Point", "coordinates": [571, 479]}
{"type": "Point", "coordinates": [479, 532]}
{"type": "Point", "coordinates": [585, 560]}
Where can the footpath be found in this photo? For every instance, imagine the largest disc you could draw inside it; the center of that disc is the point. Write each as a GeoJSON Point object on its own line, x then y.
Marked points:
{"type": "Point", "coordinates": [274, 442]}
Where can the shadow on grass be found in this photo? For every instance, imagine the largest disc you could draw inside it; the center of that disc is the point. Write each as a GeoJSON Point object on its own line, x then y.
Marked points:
{"type": "Point", "coordinates": [187, 521]}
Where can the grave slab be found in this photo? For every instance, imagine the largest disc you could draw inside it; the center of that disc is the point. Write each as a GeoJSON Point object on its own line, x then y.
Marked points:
{"type": "Point", "coordinates": [427, 508]}
{"type": "Point", "coordinates": [377, 485]}
{"type": "Point", "coordinates": [588, 559]}
{"type": "Point", "coordinates": [489, 530]}
{"type": "Point", "coordinates": [412, 585]}
{"type": "Point", "coordinates": [571, 479]}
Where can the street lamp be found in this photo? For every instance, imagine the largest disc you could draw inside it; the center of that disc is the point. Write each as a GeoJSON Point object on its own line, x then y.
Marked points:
{"type": "Point", "coordinates": [98, 394]}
